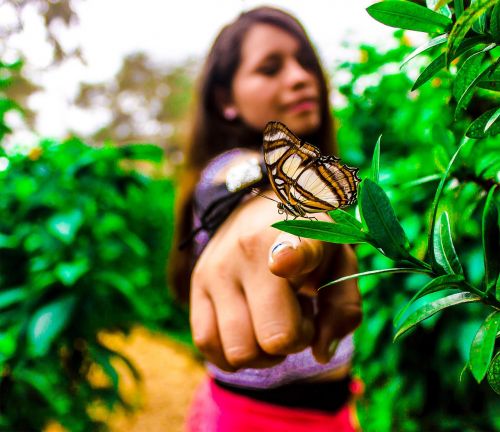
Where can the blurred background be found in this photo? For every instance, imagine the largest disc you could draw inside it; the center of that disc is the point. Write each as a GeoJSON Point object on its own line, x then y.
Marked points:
{"type": "Point", "coordinates": [95, 103]}
{"type": "Point", "coordinates": [118, 70]}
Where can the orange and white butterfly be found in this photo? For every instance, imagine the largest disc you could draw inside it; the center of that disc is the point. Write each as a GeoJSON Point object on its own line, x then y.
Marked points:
{"type": "Point", "coordinates": [304, 180]}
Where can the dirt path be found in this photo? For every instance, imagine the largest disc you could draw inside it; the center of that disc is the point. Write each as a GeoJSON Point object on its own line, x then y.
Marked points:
{"type": "Point", "coordinates": [170, 376]}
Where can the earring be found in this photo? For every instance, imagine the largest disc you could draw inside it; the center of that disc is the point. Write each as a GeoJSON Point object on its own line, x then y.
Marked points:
{"type": "Point", "coordinates": [230, 113]}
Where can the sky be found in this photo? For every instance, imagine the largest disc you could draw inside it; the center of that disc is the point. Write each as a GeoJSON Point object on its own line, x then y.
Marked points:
{"type": "Point", "coordinates": [173, 30]}
{"type": "Point", "coordinates": [170, 32]}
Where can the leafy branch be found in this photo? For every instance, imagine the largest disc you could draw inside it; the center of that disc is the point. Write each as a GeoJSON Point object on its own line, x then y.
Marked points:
{"type": "Point", "coordinates": [380, 227]}
{"type": "Point", "coordinates": [467, 37]}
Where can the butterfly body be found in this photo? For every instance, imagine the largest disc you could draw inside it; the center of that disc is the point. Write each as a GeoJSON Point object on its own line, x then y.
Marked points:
{"type": "Point", "coordinates": [304, 180]}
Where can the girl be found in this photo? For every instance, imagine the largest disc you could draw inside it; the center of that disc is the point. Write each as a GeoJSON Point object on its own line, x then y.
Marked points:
{"type": "Point", "coordinates": [278, 354]}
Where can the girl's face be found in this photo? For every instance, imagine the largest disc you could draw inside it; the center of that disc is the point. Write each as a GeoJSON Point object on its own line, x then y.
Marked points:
{"type": "Point", "coordinates": [272, 82]}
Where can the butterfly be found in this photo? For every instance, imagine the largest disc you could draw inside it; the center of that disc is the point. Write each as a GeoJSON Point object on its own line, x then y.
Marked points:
{"type": "Point", "coordinates": [304, 180]}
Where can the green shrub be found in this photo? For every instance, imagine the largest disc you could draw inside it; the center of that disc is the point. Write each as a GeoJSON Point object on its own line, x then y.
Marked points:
{"type": "Point", "coordinates": [83, 246]}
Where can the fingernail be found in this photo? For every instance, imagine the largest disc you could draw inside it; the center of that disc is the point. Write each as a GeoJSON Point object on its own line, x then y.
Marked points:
{"type": "Point", "coordinates": [279, 248]}
{"type": "Point", "coordinates": [332, 348]}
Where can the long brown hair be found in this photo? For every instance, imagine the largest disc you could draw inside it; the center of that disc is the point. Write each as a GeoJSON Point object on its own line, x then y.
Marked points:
{"type": "Point", "coordinates": [212, 133]}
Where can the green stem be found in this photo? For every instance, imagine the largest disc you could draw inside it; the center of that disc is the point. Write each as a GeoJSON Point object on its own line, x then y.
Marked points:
{"type": "Point", "coordinates": [492, 301]}
{"type": "Point", "coordinates": [488, 299]}
{"type": "Point", "coordinates": [419, 263]}
{"type": "Point", "coordinates": [475, 290]}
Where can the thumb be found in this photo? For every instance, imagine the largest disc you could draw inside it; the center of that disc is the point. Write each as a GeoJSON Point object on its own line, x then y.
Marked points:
{"type": "Point", "coordinates": [292, 257]}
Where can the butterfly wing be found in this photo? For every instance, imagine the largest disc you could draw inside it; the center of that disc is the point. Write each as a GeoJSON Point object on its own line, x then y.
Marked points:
{"type": "Point", "coordinates": [326, 185]}
{"type": "Point", "coordinates": [303, 179]}
{"type": "Point", "coordinates": [286, 157]}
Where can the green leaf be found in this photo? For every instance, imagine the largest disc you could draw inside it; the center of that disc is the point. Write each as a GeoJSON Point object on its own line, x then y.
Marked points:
{"type": "Point", "coordinates": [469, 70]}
{"type": "Point", "coordinates": [445, 256]}
{"type": "Point", "coordinates": [440, 61]}
{"type": "Point", "coordinates": [47, 323]}
{"type": "Point", "coordinates": [482, 346]}
{"type": "Point", "coordinates": [437, 198]}
{"type": "Point", "coordinates": [375, 272]}
{"type": "Point", "coordinates": [439, 283]}
{"type": "Point", "coordinates": [468, 79]}
{"type": "Point", "coordinates": [341, 217]}
{"type": "Point", "coordinates": [427, 179]}
{"type": "Point", "coordinates": [438, 40]}
{"type": "Point", "coordinates": [479, 25]}
{"type": "Point", "coordinates": [379, 218]}
{"type": "Point", "coordinates": [145, 152]}
{"type": "Point", "coordinates": [376, 162]}
{"type": "Point", "coordinates": [478, 128]}
{"type": "Point", "coordinates": [495, 23]}
{"type": "Point", "coordinates": [12, 296]}
{"type": "Point", "coordinates": [15, 65]}
{"type": "Point", "coordinates": [459, 8]}
{"type": "Point", "coordinates": [8, 105]}
{"type": "Point", "coordinates": [325, 231]}
{"type": "Point", "coordinates": [409, 16]}
{"type": "Point", "coordinates": [494, 373]}
{"type": "Point", "coordinates": [432, 69]}
{"type": "Point", "coordinates": [64, 226]}
{"type": "Point", "coordinates": [46, 384]}
{"type": "Point", "coordinates": [432, 308]}
{"type": "Point", "coordinates": [126, 288]}
{"type": "Point", "coordinates": [118, 355]}
{"type": "Point", "coordinates": [491, 241]}
{"type": "Point", "coordinates": [102, 358]}
{"type": "Point", "coordinates": [8, 343]}
{"type": "Point", "coordinates": [24, 187]}
{"type": "Point", "coordinates": [463, 25]}
{"type": "Point", "coordinates": [492, 82]}
{"type": "Point", "coordinates": [8, 241]}
{"type": "Point", "coordinates": [70, 272]}
{"type": "Point", "coordinates": [135, 244]}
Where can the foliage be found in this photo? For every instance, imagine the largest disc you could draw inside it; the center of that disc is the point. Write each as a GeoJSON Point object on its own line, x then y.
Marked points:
{"type": "Point", "coordinates": [470, 36]}
{"type": "Point", "coordinates": [418, 180]}
{"type": "Point", "coordinates": [83, 246]}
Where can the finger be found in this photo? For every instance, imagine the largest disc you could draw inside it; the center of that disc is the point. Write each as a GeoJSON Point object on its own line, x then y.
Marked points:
{"type": "Point", "coordinates": [339, 309]}
{"type": "Point", "coordinates": [306, 303]}
{"type": "Point", "coordinates": [338, 315]}
{"type": "Point", "coordinates": [273, 304]}
{"type": "Point", "coordinates": [279, 324]}
{"type": "Point", "coordinates": [204, 329]}
{"type": "Point", "coordinates": [235, 326]}
{"type": "Point", "coordinates": [293, 258]}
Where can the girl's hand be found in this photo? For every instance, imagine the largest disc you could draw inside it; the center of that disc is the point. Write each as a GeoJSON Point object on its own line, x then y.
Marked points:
{"type": "Point", "coordinates": [251, 292]}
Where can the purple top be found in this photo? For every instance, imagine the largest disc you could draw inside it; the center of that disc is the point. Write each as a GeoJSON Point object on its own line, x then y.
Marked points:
{"type": "Point", "coordinates": [296, 366]}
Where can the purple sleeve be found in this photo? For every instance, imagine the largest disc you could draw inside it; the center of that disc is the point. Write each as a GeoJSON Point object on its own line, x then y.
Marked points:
{"type": "Point", "coordinates": [209, 190]}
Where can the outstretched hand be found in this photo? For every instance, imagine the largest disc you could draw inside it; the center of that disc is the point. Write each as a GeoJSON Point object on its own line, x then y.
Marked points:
{"type": "Point", "coordinates": [252, 287]}
{"type": "Point", "coordinates": [306, 264]}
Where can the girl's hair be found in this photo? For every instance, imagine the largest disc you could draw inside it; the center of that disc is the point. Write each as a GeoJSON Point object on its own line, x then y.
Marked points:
{"type": "Point", "coordinates": [212, 134]}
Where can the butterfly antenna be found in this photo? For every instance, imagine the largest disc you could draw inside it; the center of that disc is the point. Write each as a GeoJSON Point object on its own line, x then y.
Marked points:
{"type": "Point", "coordinates": [258, 193]}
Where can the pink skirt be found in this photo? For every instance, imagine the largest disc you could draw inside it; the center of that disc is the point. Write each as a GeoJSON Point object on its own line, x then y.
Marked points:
{"type": "Point", "coordinates": [215, 409]}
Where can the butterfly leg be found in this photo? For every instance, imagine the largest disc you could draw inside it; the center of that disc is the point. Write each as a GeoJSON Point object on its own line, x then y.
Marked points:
{"type": "Point", "coordinates": [300, 239]}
